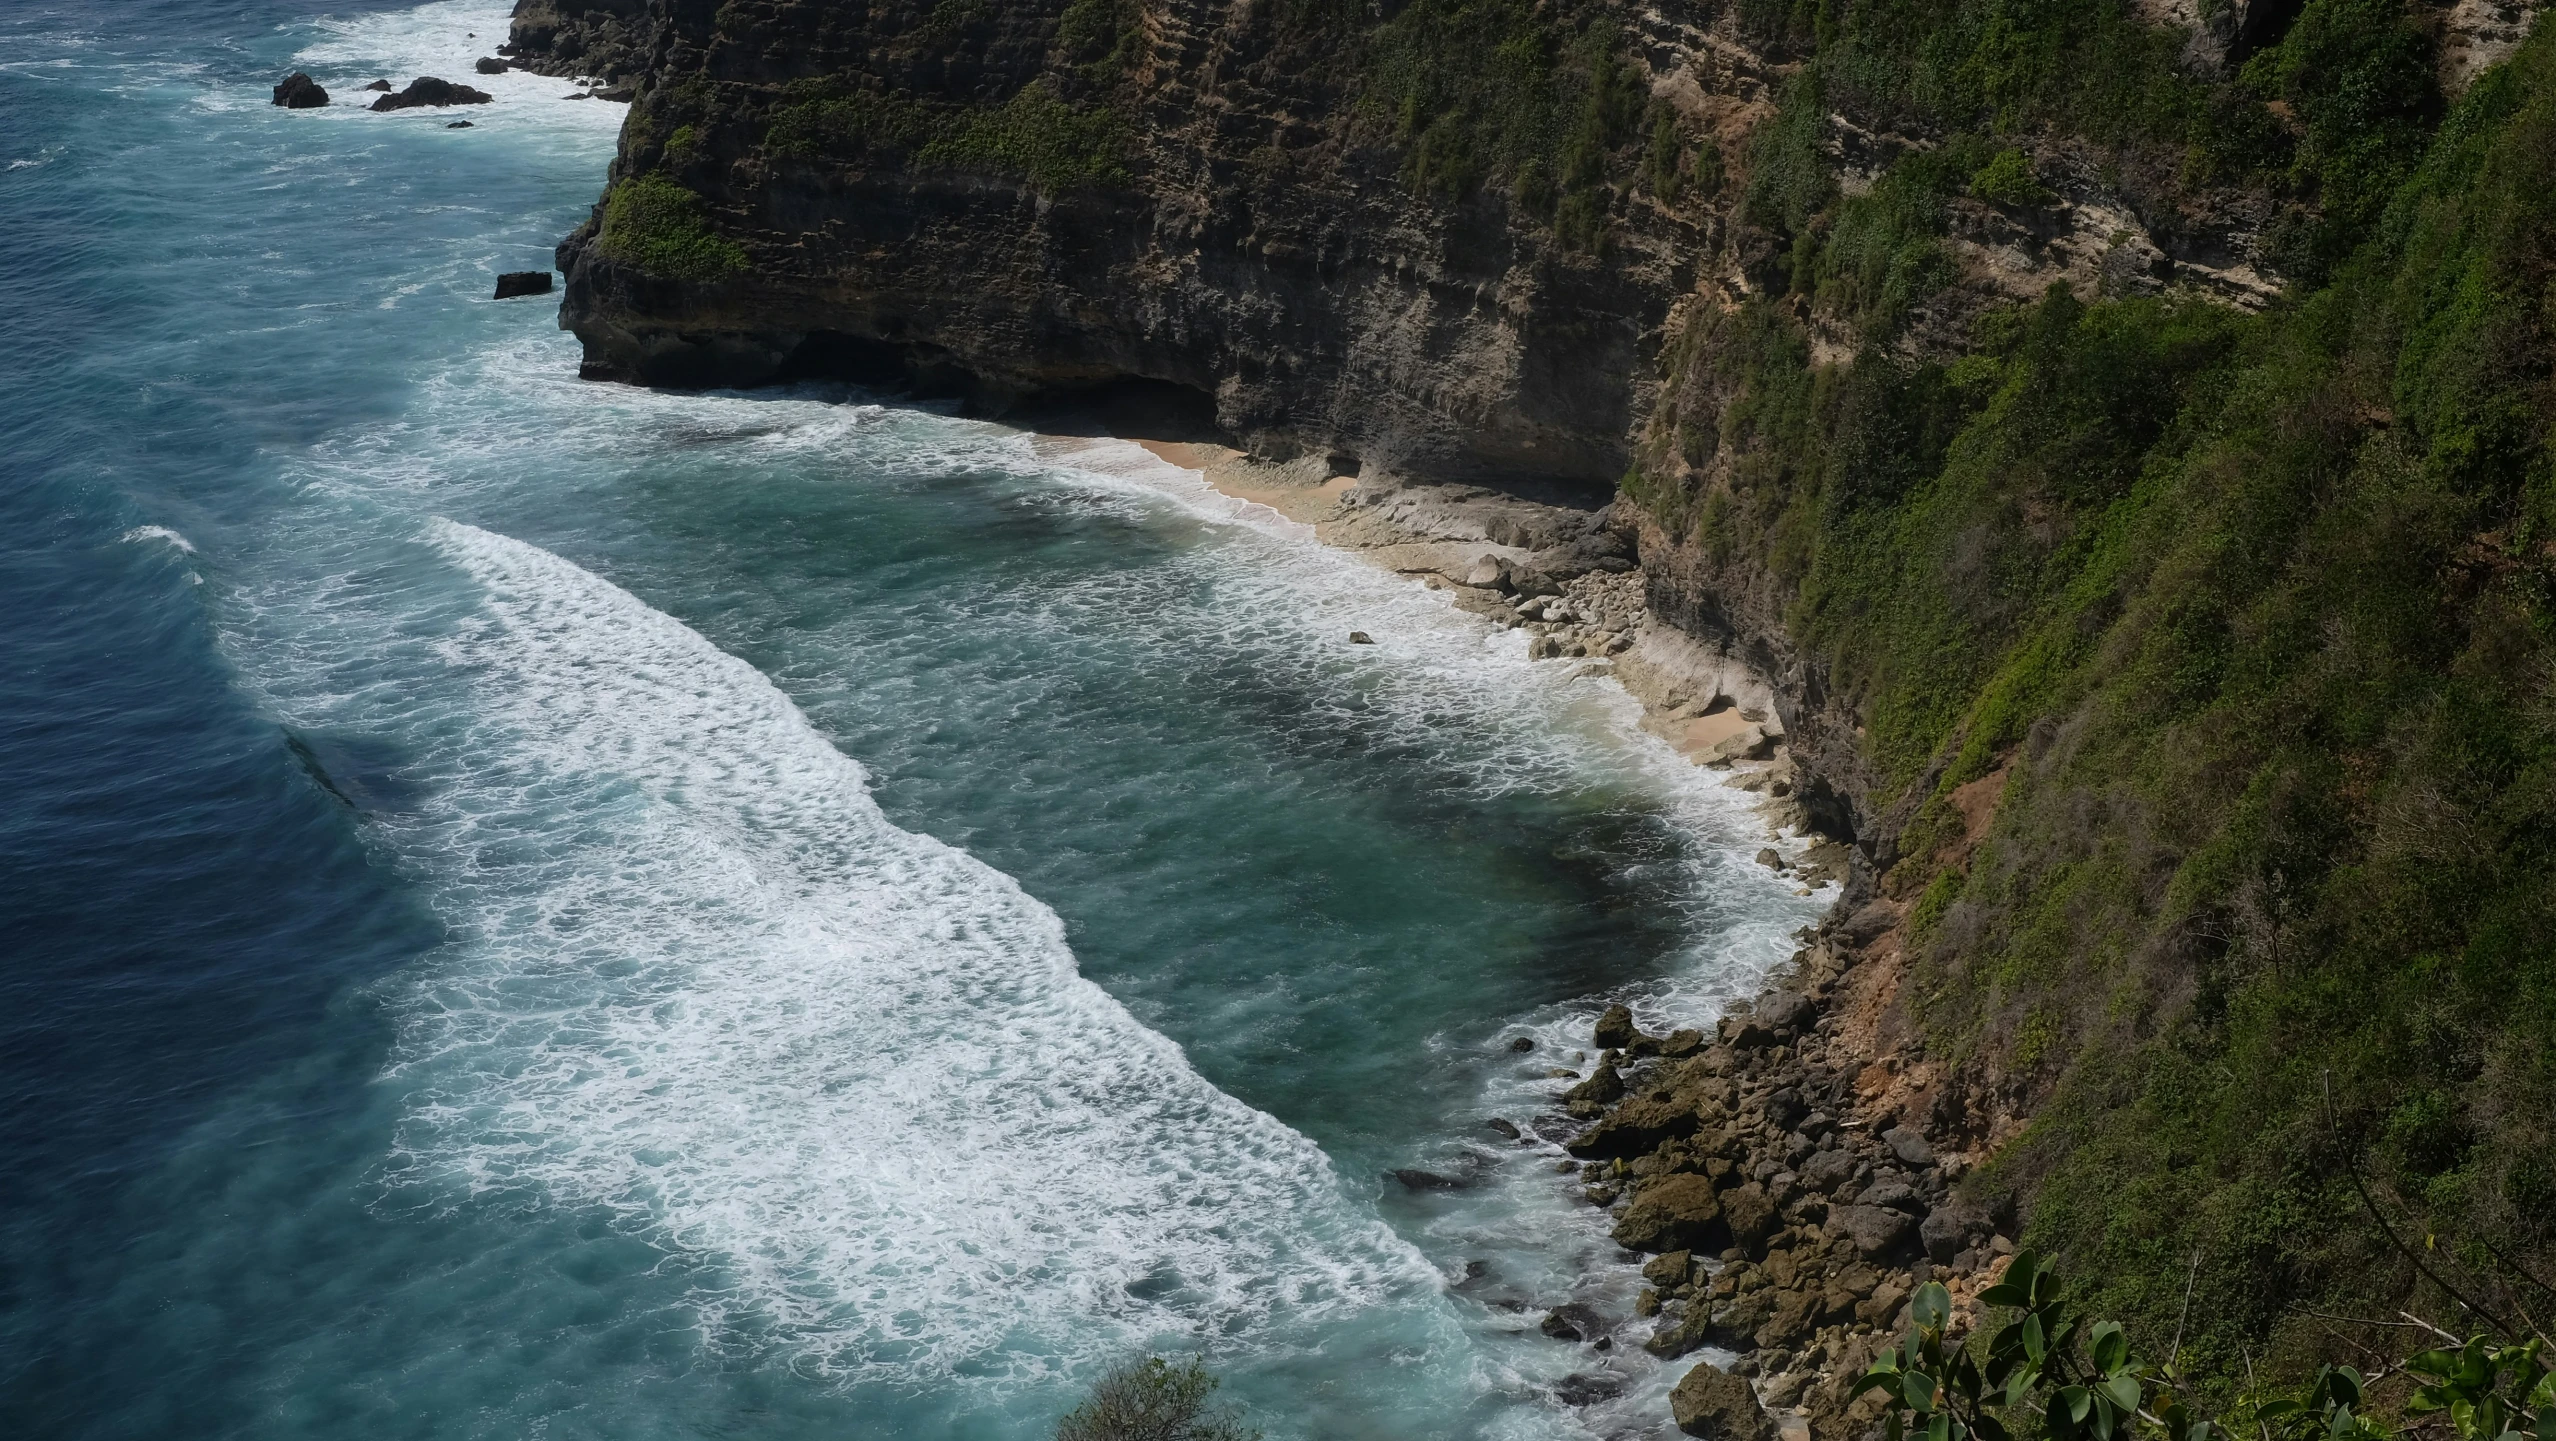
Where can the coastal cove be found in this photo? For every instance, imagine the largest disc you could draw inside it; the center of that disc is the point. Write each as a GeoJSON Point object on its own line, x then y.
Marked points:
{"type": "Point", "coordinates": [595, 911]}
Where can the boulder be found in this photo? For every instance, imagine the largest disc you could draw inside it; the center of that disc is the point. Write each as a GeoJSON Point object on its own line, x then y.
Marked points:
{"type": "Point", "coordinates": [465, 125]}
{"type": "Point", "coordinates": [1669, 1268]}
{"type": "Point", "coordinates": [522, 282]}
{"type": "Point", "coordinates": [1572, 1321]}
{"type": "Point", "coordinates": [1714, 1403]}
{"type": "Point", "coordinates": [1909, 1147]}
{"type": "Point", "coordinates": [1604, 1087]}
{"type": "Point", "coordinates": [1879, 1233]}
{"type": "Point", "coordinates": [1636, 1128]}
{"type": "Point", "coordinates": [1897, 1195]}
{"type": "Point", "coordinates": [1786, 1010]}
{"type": "Point", "coordinates": [1507, 1129]}
{"type": "Point", "coordinates": [382, 85]}
{"type": "Point", "coordinates": [1828, 1170]}
{"type": "Point", "coordinates": [1488, 571]}
{"type": "Point", "coordinates": [1360, 637]}
{"type": "Point", "coordinates": [1681, 1331]}
{"type": "Point", "coordinates": [300, 92]}
{"type": "Point", "coordinates": [1786, 1108]}
{"type": "Point", "coordinates": [1751, 1214]}
{"type": "Point", "coordinates": [427, 90]}
{"type": "Point", "coordinates": [489, 65]}
{"type": "Point", "coordinates": [1674, 1213]}
{"type": "Point", "coordinates": [1795, 1316]}
{"type": "Point", "coordinates": [1947, 1232]}
{"type": "Point", "coordinates": [1615, 1029]}
{"type": "Point", "coordinates": [1522, 1044]}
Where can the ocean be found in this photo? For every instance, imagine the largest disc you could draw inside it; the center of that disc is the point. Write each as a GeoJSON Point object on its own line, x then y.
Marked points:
{"type": "Point", "coordinates": [532, 908]}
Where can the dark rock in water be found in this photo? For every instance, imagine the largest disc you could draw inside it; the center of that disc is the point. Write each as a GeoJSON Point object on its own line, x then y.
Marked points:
{"type": "Point", "coordinates": [1508, 1129]}
{"type": "Point", "coordinates": [465, 125]}
{"type": "Point", "coordinates": [489, 65]}
{"type": "Point", "coordinates": [1712, 1402]}
{"type": "Point", "coordinates": [300, 92]}
{"type": "Point", "coordinates": [1615, 1029]}
{"type": "Point", "coordinates": [580, 95]}
{"type": "Point", "coordinates": [1675, 1213]}
{"type": "Point", "coordinates": [427, 90]}
{"type": "Point", "coordinates": [1603, 1088]}
{"type": "Point", "coordinates": [1523, 1043]}
{"type": "Point", "coordinates": [1419, 1180]}
{"type": "Point", "coordinates": [1572, 1321]}
{"type": "Point", "coordinates": [621, 93]}
{"type": "Point", "coordinates": [1360, 637]}
{"type": "Point", "coordinates": [521, 282]}
{"type": "Point", "coordinates": [1633, 1129]}
{"type": "Point", "coordinates": [1670, 1268]}
{"type": "Point", "coordinates": [1581, 1389]}
{"type": "Point", "coordinates": [379, 85]}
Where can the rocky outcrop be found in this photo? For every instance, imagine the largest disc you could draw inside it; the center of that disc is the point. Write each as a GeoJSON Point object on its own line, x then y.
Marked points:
{"type": "Point", "coordinates": [426, 90]}
{"type": "Point", "coordinates": [523, 282]}
{"type": "Point", "coordinates": [300, 92]}
{"type": "Point", "coordinates": [606, 38]}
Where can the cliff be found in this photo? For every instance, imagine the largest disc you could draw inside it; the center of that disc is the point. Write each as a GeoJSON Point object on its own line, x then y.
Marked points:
{"type": "Point", "coordinates": [2116, 428]}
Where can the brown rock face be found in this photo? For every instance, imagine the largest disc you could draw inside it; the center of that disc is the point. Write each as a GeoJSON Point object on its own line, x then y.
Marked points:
{"type": "Point", "coordinates": [1713, 1403]}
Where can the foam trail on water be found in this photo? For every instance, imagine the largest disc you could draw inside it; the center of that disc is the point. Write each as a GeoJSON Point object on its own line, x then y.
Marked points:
{"type": "Point", "coordinates": [700, 982]}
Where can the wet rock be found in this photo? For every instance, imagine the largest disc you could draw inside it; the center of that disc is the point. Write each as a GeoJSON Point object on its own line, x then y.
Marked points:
{"type": "Point", "coordinates": [427, 90]}
{"type": "Point", "coordinates": [520, 282]}
{"type": "Point", "coordinates": [1633, 1129]}
{"type": "Point", "coordinates": [300, 92]}
{"type": "Point", "coordinates": [383, 85]}
{"type": "Point", "coordinates": [1711, 1402]}
{"type": "Point", "coordinates": [1604, 1087]}
{"type": "Point", "coordinates": [1586, 1389]}
{"type": "Point", "coordinates": [1681, 1331]}
{"type": "Point", "coordinates": [1507, 1129]}
{"type": "Point", "coordinates": [489, 65]}
{"type": "Point", "coordinates": [1488, 572]}
{"type": "Point", "coordinates": [1419, 1180]}
{"type": "Point", "coordinates": [1360, 637]}
{"type": "Point", "coordinates": [1614, 1029]}
{"type": "Point", "coordinates": [1522, 1044]}
{"type": "Point", "coordinates": [1674, 1213]}
{"type": "Point", "coordinates": [1571, 1322]}
{"type": "Point", "coordinates": [1909, 1147]}
{"type": "Point", "coordinates": [1879, 1233]}
{"type": "Point", "coordinates": [466, 125]}
{"type": "Point", "coordinates": [1771, 858]}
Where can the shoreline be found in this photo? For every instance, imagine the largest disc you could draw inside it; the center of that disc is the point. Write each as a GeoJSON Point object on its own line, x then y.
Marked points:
{"type": "Point", "coordinates": [1785, 1181]}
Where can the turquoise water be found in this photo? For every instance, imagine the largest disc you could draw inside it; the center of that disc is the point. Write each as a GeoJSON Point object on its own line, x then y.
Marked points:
{"type": "Point", "coordinates": [546, 909]}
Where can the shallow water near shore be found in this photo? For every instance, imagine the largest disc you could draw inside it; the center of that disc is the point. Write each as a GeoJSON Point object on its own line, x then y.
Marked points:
{"type": "Point", "coordinates": [556, 909]}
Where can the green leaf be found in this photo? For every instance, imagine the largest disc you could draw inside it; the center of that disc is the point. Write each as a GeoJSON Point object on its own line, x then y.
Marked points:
{"type": "Point", "coordinates": [1940, 1429]}
{"type": "Point", "coordinates": [2111, 1347]}
{"type": "Point", "coordinates": [1932, 1306]}
{"type": "Point", "coordinates": [2546, 1423]}
{"type": "Point", "coordinates": [1918, 1389]}
{"type": "Point", "coordinates": [2006, 1293]}
{"type": "Point", "coordinates": [2073, 1402]}
{"type": "Point", "coordinates": [2124, 1392]}
{"type": "Point", "coordinates": [2033, 1343]}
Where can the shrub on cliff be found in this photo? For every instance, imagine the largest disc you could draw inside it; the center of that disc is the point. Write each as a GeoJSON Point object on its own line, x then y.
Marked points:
{"type": "Point", "coordinates": [2247, 623]}
{"type": "Point", "coordinates": [651, 223]}
{"type": "Point", "coordinates": [1154, 1400]}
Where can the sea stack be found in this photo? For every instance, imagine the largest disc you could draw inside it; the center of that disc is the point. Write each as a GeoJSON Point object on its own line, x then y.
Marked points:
{"type": "Point", "coordinates": [300, 92]}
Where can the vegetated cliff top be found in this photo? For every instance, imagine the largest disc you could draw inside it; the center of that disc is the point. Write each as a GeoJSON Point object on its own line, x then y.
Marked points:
{"type": "Point", "coordinates": [2122, 427]}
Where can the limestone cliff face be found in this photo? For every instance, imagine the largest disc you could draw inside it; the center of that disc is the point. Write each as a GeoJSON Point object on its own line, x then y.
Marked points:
{"type": "Point", "coordinates": [1215, 205]}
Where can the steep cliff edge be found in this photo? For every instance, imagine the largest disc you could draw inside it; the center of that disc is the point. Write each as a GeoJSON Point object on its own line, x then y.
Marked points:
{"type": "Point", "coordinates": [2116, 427]}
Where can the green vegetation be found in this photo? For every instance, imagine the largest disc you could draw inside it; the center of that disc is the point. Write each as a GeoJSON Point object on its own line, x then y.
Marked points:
{"type": "Point", "coordinates": [2048, 1373]}
{"type": "Point", "coordinates": [653, 224]}
{"type": "Point", "coordinates": [2260, 611]}
{"type": "Point", "coordinates": [1154, 1400]}
{"type": "Point", "coordinates": [1037, 135]}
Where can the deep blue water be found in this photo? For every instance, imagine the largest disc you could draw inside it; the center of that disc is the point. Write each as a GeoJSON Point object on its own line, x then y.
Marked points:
{"type": "Point", "coordinates": [535, 908]}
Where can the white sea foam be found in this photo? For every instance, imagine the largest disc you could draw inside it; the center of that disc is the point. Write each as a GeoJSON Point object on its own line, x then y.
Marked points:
{"type": "Point", "coordinates": [700, 982]}
{"type": "Point", "coordinates": [141, 533]}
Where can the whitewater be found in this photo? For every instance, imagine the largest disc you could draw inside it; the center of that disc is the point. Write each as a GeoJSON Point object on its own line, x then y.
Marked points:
{"type": "Point", "coordinates": [603, 912]}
